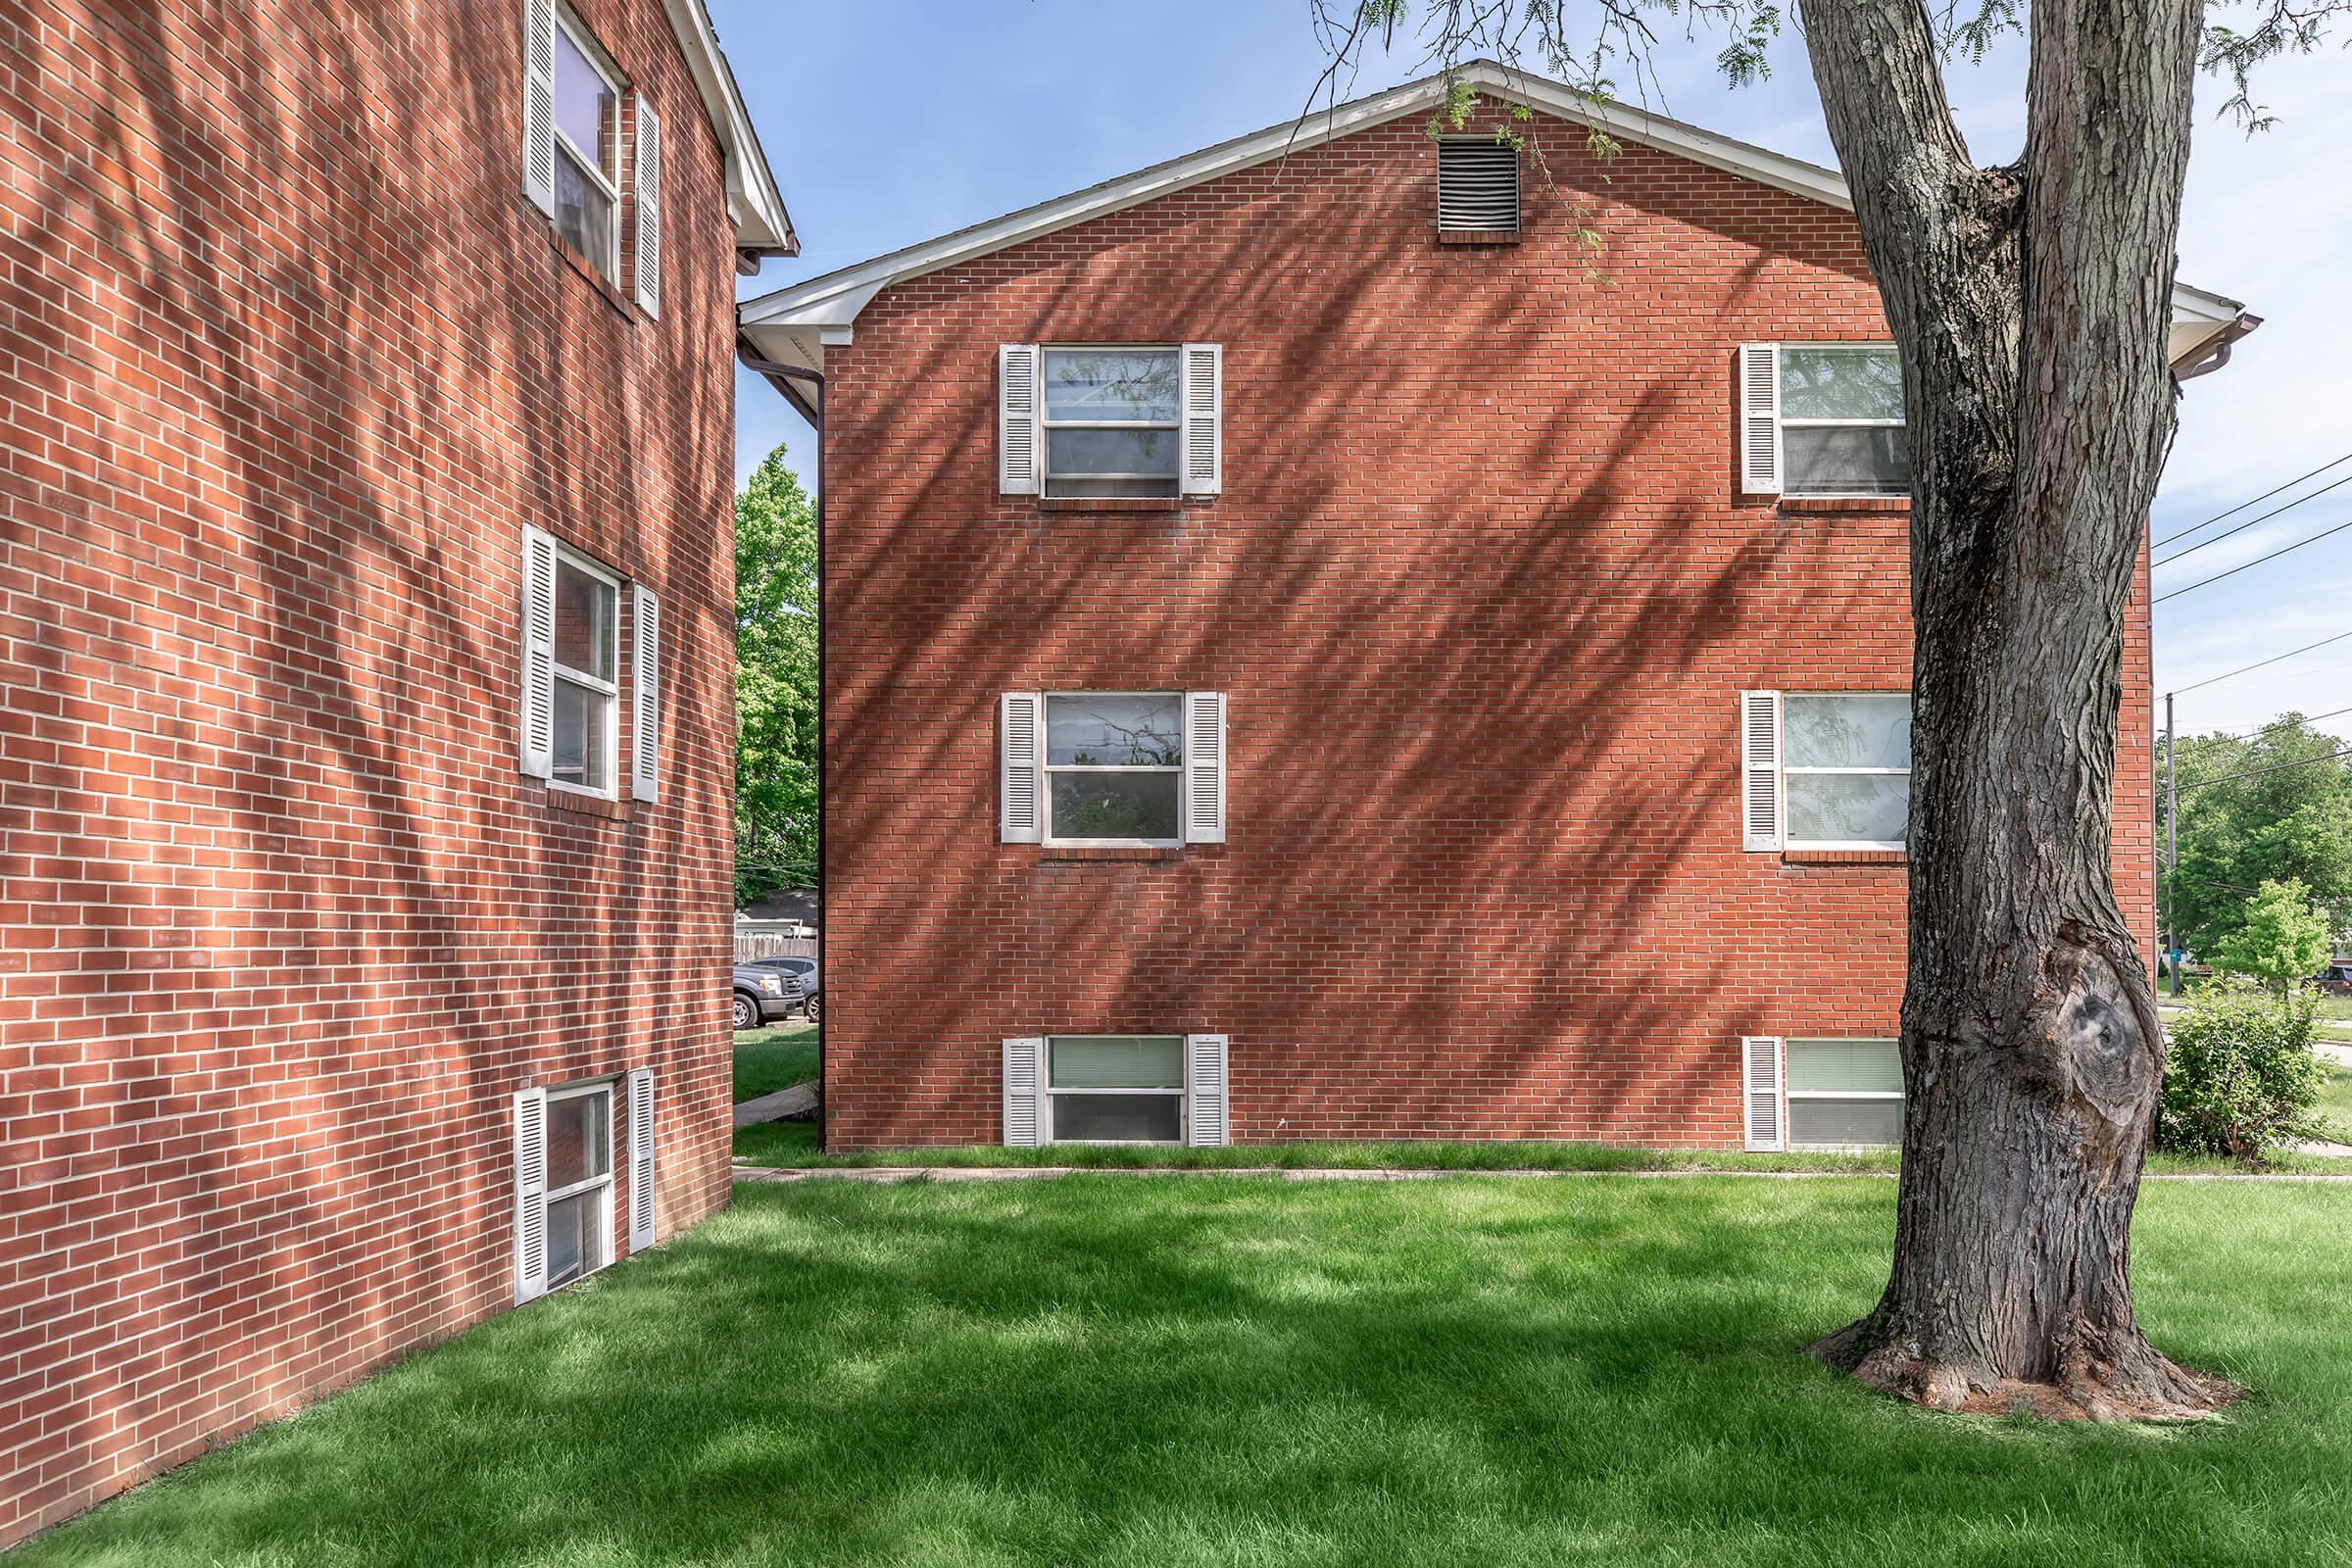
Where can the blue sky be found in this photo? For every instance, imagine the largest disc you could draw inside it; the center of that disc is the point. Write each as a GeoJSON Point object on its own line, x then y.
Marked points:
{"type": "Point", "coordinates": [892, 121]}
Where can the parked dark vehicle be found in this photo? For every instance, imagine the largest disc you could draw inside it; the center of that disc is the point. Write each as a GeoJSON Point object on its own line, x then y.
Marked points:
{"type": "Point", "coordinates": [804, 971]}
{"type": "Point", "coordinates": [763, 994]}
{"type": "Point", "coordinates": [2335, 980]}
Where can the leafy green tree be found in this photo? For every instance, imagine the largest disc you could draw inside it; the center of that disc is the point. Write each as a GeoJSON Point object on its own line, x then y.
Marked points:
{"type": "Point", "coordinates": [2273, 807]}
{"type": "Point", "coordinates": [2281, 938]}
{"type": "Point", "coordinates": [775, 683]}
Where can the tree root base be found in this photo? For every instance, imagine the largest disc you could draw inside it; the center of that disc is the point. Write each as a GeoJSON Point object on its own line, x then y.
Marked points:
{"type": "Point", "coordinates": [2143, 1385]}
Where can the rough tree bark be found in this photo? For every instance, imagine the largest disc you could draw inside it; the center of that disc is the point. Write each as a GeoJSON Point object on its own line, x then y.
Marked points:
{"type": "Point", "coordinates": [2031, 305]}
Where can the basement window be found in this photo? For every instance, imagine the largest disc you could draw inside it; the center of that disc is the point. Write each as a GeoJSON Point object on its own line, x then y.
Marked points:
{"type": "Point", "coordinates": [1844, 1093]}
{"type": "Point", "coordinates": [1477, 187]}
{"type": "Point", "coordinates": [1114, 1088]}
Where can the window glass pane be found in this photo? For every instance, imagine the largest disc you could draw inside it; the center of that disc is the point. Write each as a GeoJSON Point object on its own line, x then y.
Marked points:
{"type": "Point", "coordinates": [1099, 730]}
{"type": "Point", "coordinates": [575, 1139]}
{"type": "Point", "coordinates": [584, 621]}
{"type": "Point", "coordinates": [1110, 385]}
{"type": "Point", "coordinates": [584, 213]}
{"type": "Point", "coordinates": [583, 103]}
{"type": "Point", "coordinates": [1107, 451]}
{"type": "Point", "coordinates": [1115, 806]}
{"type": "Point", "coordinates": [1848, 807]}
{"type": "Point", "coordinates": [1852, 1066]}
{"type": "Point", "coordinates": [1852, 729]}
{"type": "Point", "coordinates": [583, 718]}
{"type": "Point", "coordinates": [1847, 461]}
{"type": "Point", "coordinates": [1118, 1118]}
{"type": "Point", "coordinates": [1859, 381]}
{"type": "Point", "coordinates": [1117, 1061]}
{"type": "Point", "coordinates": [1825, 1123]}
{"type": "Point", "coordinates": [572, 1246]}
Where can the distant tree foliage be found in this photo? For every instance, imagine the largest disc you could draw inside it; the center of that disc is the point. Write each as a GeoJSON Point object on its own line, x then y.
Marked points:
{"type": "Point", "coordinates": [775, 683]}
{"type": "Point", "coordinates": [2281, 938]}
{"type": "Point", "coordinates": [2273, 807]}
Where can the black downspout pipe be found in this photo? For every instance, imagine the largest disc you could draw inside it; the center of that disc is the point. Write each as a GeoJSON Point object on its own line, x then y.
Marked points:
{"type": "Point", "coordinates": [778, 376]}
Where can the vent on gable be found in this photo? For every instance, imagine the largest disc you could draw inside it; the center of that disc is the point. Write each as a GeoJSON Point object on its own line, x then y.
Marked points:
{"type": "Point", "coordinates": [1477, 187]}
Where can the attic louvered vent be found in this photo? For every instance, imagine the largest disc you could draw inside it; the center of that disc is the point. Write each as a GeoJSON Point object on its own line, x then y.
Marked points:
{"type": "Point", "coordinates": [1477, 187]}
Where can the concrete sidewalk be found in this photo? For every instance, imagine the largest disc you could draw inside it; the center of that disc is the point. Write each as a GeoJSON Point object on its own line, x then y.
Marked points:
{"type": "Point", "coordinates": [784, 1104]}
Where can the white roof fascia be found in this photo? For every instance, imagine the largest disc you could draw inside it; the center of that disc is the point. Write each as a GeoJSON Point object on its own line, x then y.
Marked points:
{"type": "Point", "coordinates": [752, 200]}
{"type": "Point", "coordinates": [835, 299]}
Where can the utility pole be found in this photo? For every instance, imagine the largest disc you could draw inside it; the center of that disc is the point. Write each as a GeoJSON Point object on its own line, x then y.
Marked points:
{"type": "Point", "coordinates": [2172, 849]}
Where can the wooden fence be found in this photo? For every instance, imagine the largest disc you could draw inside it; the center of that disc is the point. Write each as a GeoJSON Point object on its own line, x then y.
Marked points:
{"type": "Point", "coordinates": [749, 945]}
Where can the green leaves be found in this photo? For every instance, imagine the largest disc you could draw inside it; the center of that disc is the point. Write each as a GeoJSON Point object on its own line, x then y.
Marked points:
{"type": "Point", "coordinates": [2282, 939]}
{"type": "Point", "coordinates": [776, 610]}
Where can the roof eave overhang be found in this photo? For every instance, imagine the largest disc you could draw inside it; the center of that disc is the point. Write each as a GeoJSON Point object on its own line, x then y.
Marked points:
{"type": "Point", "coordinates": [754, 203]}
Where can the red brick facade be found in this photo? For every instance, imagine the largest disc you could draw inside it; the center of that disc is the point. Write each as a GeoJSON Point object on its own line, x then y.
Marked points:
{"type": "Point", "coordinates": [289, 363]}
{"type": "Point", "coordinates": [1483, 595]}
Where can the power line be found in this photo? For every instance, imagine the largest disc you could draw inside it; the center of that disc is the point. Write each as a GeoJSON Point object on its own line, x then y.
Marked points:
{"type": "Point", "coordinates": [2244, 504]}
{"type": "Point", "coordinates": [2249, 524]}
{"type": "Point", "coordinates": [2256, 562]}
{"type": "Point", "coordinates": [2257, 772]}
{"type": "Point", "coordinates": [2308, 718]}
{"type": "Point", "coordinates": [2259, 663]}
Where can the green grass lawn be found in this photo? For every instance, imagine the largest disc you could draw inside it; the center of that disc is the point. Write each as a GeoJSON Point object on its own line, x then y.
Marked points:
{"type": "Point", "coordinates": [1163, 1373]}
{"type": "Point", "coordinates": [772, 1058]}
{"type": "Point", "coordinates": [2336, 1105]}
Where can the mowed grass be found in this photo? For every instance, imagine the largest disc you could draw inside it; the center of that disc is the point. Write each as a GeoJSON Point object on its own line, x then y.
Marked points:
{"type": "Point", "coordinates": [2335, 1105]}
{"type": "Point", "coordinates": [772, 1058]}
{"type": "Point", "coordinates": [1119, 1370]}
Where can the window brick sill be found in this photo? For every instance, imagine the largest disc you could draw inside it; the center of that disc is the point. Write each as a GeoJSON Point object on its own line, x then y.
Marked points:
{"type": "Point", "coordinates": [1112, 502]}
{"type": "Point", "coordinates": [587, 269]}
{"type": "Point", "coordinates": [1805, 506]}
{"type": "Point", "coordinates": [1109, 852]}
{"type": "Point", "coordinates": [1478, 236]}
{"type": "Point", "coordinates": [1845, 857]}
{"type": "Point", "coordinates": [587, 806]}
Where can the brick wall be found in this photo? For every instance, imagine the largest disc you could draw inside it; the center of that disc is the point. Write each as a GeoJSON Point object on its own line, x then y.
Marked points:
{"type": "Point", "coordinates": [1482, 597]}
{"type": "Point", "coordinates": [289, 364]}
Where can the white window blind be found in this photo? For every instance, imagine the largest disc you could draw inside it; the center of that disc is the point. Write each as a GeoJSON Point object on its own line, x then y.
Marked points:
{"type": "Point", "coordinates": [1206, 1095]}
{"type": "Point", "coordinates": [641, 1158]}
{"type": "Point", "coordinates": [538, 691]}
{"type": "Point", "coordinates": [1203, 418]}
{"type": "Point", "coordinates": [645, 782]}
{"type": "Point", "coordinates": [1017, 398]}
{"type": "Point", "coordinates": [1760, 769]}
{"type": "Point", "coordinates": [530, 1195]}
{"type": "Point", "coordinates": [1762, 1054]}
{"type": "Point", "coordinates": [1760, 418]}
{"type": "Point", "coordinates": [539, 104]}
{"type": "Point", "coordinates": [648, 208]}
{"type": "Point", "coordinates": [1020, 726]}
{"type": "Point", "coordinates": [1204, 767]}
{"type": "Point", "coordinates": [1024, 1091]}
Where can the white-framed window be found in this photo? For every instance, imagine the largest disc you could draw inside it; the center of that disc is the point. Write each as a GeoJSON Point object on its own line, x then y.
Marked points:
{"type": "Point", "coordinates": [1823, 1093]}
{"type": "Point", "coordinates": [563, 1185]}
{"type": "Point", "coordinates": [1823, 419]}
{"type": "Point", "coordinates": [1826, 770]}
{"type": "Point", "coordinates": [587, 670]}
{"type": "Point", "coordinates": [1115, 1089]}
{"type": "Point", "coordinates": [587, 146]}
{"type": "Point", "coordinates": [1115, 769]}
{"type": "Point", "coordinates": [1478, 185]}
{"type": "Point", "coordinates": [1119, 421]}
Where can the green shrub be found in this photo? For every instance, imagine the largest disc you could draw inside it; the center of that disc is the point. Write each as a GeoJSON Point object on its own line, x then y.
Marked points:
{"type": "Point", "coordinates": [2240, 1074]}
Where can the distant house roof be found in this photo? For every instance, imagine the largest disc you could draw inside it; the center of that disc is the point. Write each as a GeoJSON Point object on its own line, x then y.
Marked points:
{"type": "Point", "coordinates": [761, 224]}
{"type": "Point", "coordinates": [794, 323]}
{"type": "Point", "coordinates": [791, 904]}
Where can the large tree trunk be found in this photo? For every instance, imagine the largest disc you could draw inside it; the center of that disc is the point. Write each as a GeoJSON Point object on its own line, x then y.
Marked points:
{"type": "Point", "coordinates": [2031, 305]}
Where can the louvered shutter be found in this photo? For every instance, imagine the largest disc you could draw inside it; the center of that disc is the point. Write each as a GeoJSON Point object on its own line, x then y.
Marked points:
{"type": "Point", "coordinates": [1017, 433]}
{"type": "Point", "coordinates": [539, 104]}
{"type": "Point", "coordinates": [1477, 187]}
{"type": "Point", "coordinates": [1204, 1091]}
{"type": "Point", "coordinates": [538, 716]}
{"type": "Point", "coordinates": [530, 1195]}
{"type": "Point", "coordinates": [1760, 770]}
{"type": "Point", "coordinates": [1020, 817]}
{"type": "Point", "coordinates": [645, 782]}
{"type": "Point", "coordinates": [1762, 1076]}
{"type": "Point", "coordinates": [648, 208]}
{"type": "Point", "coordinates": [1026, 1092]}
{"type": "Point", "coordinates": [1760, 418]}
{"type": "Point", "coordinates": [641, 1158]}
{"type": "Point", "coordinates": [1204, 768]}
{"type": "Point", "coordinates": [1203, 418]}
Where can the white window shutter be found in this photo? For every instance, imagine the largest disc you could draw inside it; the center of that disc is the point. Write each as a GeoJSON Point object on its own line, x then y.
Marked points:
{"type": "Point", "coordinates": [1026, 1092]}
{"type": "Point", "coordinates": [1204, 768]}
{"type": "Point", "coordinates": [530, 1195]}
{"type": "Point", "coordinates": [539, 104]}
{"type": "Point", "coordinates": [1762, 1075]}
{"type": "Point", "coordinates": [1203, 418]}
{"type": "Point", "coordinates": [1760, 418]}
{"type": "Point", "coordinates": [538, 654]}
{"type": "Point", "coordinates": [641, 1158]}
{"type": "Point", "coordinates": [645, 698]}
{"type": "Point", "coordinates": [1204, 1092]}
{"type": "Point", "coordinates": [1020, 817]}
{"type": "Point", "coordinates": [1018, 437]}
{"type": "Point", "coordinates": [648, 208]}
{"type": "Point", "coordinates": [1760, 770]}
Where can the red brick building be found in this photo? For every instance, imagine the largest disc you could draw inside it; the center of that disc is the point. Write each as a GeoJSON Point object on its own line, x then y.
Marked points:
{"type": "Point", "coordinates": [1350, 634]}
{"type": "Point", "coordinates": [366, 756]}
